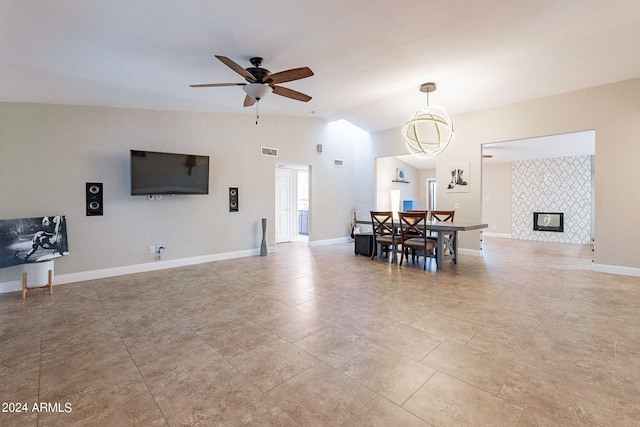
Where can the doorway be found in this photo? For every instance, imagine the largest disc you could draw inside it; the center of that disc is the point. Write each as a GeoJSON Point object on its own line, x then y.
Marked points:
{"type": "Point", "coordinates": [539, 173]}
{"type": "Point", "coordinates": [431, 194]}
{"type": "Point", "coordinates": [292, 202]}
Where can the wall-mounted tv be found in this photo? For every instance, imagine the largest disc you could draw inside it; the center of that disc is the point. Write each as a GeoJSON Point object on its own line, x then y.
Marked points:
{"type": "Point", "coordinates": [153, 172]}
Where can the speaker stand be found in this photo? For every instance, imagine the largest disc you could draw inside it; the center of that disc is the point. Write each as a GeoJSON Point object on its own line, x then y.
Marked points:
{"type": "Point", "coordinates": [41, 273]}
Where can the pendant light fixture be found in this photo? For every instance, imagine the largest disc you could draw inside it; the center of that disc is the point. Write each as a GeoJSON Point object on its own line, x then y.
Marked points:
{"type": "Point", "coordinates": [255, 92]}
{"type": "Point", "coordinates": [430, 129]}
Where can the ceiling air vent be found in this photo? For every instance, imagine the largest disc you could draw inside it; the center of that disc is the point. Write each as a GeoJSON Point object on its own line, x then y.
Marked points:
{"type": "Point", "coordinates": [338, 163]}
{"type": "Point", "coordinates": [266, 151]}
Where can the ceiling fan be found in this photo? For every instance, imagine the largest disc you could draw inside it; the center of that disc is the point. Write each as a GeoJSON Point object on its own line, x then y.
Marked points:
{"type": "Point", "coordinates": [260, 82]}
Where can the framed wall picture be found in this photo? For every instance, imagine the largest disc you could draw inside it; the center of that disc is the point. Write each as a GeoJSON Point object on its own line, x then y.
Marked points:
{"type": "Point", "coordinates": [458, 177]}
{"type": "Point", "coordinates": [400, 175]}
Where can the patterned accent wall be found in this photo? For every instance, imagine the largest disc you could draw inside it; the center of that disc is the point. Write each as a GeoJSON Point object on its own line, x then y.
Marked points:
{"type": "Point", "coordinates": [552, 185]}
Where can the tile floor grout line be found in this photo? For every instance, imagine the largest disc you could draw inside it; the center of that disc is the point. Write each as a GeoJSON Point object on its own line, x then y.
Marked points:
{"type": "Point", "coordinates": [568, 353]}
{"type": "Point", "coordinates": [40, 358]}
{"type": "Point", "coordinates": [164, 416]}
{"type": "Point", "coordinates": [435, 371]}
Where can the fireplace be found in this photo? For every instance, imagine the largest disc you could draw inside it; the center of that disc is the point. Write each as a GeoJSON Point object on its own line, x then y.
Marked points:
{"type": "Point", "coordinates": [548, 221]}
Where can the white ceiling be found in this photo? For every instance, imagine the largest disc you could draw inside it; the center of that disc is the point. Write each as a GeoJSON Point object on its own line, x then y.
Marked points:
{"type": "Point", "coordinates": [565, 145]}
{"type": "Point", "coordinates": [369, 57]}
{"type": "Point", "coordinates": [545, 147]}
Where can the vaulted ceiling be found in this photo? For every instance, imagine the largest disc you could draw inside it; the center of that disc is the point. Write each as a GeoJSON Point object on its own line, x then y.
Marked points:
{"type": "Point", "coordinates": [369, 57]}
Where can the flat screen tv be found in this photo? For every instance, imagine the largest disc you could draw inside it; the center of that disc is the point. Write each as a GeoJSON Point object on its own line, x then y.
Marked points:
{"type": "Point", "coordinates": [153, 172]}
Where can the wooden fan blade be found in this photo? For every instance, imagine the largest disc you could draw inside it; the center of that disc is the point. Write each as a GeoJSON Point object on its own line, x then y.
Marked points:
{"type": "Point", "coordinates": [248, 101]}
{"type": "Point", "coordinates": [237, 68]}
{"type": "Point", "coordinates": [218, 84]}
{"type": "Point", "coordinates": [289, 93]}
{"type": "Point", "coordinates": [289, 75]}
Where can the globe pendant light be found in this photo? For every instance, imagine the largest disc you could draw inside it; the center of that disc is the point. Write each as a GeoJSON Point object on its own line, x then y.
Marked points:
{"type": "Point", "coordinates": [430, 129]}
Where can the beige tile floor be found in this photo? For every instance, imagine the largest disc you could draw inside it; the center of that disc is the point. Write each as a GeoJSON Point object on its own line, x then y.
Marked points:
{"type": "Point", "coordinates": [526, 336]}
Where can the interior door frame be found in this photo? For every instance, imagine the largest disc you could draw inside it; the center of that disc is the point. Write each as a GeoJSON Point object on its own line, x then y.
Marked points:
{"type": "Point", "coordinates": [293, 199]}
{"type": "Point", "coordinates": [291, 188]}
{"type": "Point", "coordinates": [431, 204]}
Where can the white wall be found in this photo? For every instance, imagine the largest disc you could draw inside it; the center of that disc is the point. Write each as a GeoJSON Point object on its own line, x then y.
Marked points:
{"type": "Point", "coordinates": [49, 152]}
{"type": "Point", "coordinates": [496, 198]}
{"type": "Point", "coordinates": [386, 174]}
{"type": "Point", "coordinates": [363, 170]}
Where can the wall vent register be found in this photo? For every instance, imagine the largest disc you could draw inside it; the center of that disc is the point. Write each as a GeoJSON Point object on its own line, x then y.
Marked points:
{"type": "Point", "coordinates": [271, 152]}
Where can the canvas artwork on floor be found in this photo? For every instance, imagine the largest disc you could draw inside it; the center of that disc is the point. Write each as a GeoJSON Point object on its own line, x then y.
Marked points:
{"type": "Point", "coordinates": [26, 240]}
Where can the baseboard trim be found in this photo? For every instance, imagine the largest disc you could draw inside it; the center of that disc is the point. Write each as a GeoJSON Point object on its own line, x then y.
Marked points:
{"type": "Point", "coordinates": [501, 235]}
{"type": "Point", "coordinates": [61, 279]}
{"type": "Point", "coordinates": [616, 269]}
{"type": "Point", "coordinates": [330, 241]}
{"type": "Point", "coordinates": [471, 252]}
{"type": "Point", "coordinates": [82, 276]}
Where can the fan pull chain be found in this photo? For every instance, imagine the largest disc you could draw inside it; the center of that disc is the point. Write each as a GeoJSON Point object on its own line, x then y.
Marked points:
{"type": "Point", "coordinates": [257, 111]}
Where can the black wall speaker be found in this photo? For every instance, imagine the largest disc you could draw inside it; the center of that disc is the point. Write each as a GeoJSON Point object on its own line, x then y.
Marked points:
{"type": "Point", "coordinates": [94, 199]}
{"type": "Point", "coordinates": [233, 199]}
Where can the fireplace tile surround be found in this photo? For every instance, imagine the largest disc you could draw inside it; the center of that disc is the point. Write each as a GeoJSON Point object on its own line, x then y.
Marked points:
{"type": "Point", "coordinates": [552, 185]}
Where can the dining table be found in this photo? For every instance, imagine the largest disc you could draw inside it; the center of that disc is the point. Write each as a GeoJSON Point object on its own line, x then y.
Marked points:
{"type": "Point", "coordinates": [446, 235]}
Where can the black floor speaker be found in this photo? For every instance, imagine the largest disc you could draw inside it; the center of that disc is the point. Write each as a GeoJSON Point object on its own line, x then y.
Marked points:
{"type": "Point", "coordinates": [95, 204]}
{"type": "Point", "coordinates": [364, 244]}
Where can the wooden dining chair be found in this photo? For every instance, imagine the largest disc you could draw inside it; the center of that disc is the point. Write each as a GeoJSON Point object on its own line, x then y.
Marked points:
{"type": "Point", "coordinates": [413, 252]}
{"type": "Point", "coordinates": [414, 235]}
{"type": "Point", "coordinates": [442, 215]}
{"type": "Point", "coordinates": [384, 233]}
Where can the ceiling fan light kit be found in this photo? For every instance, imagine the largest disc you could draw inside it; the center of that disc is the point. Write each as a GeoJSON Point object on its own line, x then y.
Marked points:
{"type": "Point", "coordinates": [430, 129]}
{"type": "Point", "coordinates": [257, 90]}
{"type": "Point", "coordinates": [260, 82]}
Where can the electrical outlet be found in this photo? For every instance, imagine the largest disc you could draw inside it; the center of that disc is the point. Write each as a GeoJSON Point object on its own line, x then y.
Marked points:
{"type": "Point", "coordinates": [152, 249]}
{"type": "Point", "coordinates": [456, 205]}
